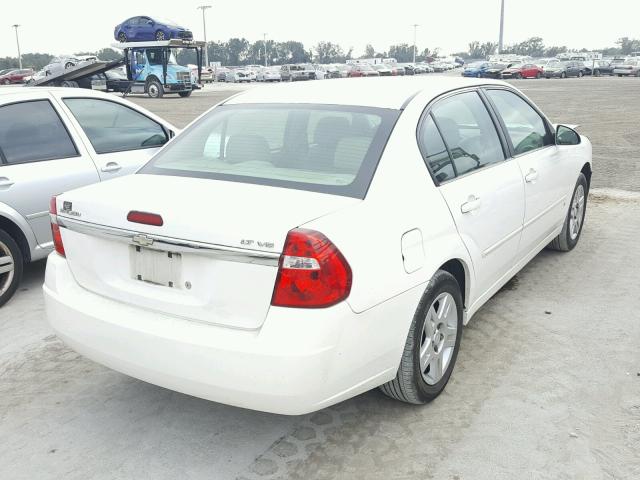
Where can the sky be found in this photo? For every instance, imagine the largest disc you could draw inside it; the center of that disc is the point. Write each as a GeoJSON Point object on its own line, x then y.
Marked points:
{"type": "Point", "coordinates": [69, 27]}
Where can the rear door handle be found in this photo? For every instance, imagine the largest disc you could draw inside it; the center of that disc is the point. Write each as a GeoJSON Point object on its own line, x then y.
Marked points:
{"type": "Point", "coordinates": [5, 182]}
{"type": "Point", "coordinates": [472, 203]}
{"type": "Point", "coordinates": [111, 167]}
{"type": "Point", "coordinates": [532, 176]}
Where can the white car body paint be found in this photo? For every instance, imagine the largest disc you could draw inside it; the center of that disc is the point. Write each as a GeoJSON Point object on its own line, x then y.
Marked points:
{"type": "Point", "coordinates": [220, 339]}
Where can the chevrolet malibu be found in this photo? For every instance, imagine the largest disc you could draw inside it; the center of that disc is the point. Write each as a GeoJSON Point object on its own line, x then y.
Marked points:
{"type": "Point", "coordinates": [298, 246]}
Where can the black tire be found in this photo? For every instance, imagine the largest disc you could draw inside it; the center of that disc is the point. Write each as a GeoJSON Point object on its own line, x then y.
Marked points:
{"type": "Point", "coordinates": [563, 75]}
{"type": "Point", "coordinates": [538, 75]}
{"type": "Point", "coordinates": [160, 36]}
{"type": "Point", "coordinates": [564, 242]}
{"type": "Point", "coordinates": [409, 385]}
{"type": "Point", "coordinates": [122, 37]}
{"type": "Point", "coordinates": [154, 88]}
{"type": "Point", "coordinates": [8, 243]}
{"type": "Point", "coordinates": [185, 94]}
{"type": "Point", "coordinates": [518, 76]}
{"type": "Point", "coordinates": [580, 74]}
{"type": "Point", "coordinates": [69, 84]}
{"type": "Point", "coordinates": [69, 65]}
{"type": "Point", "coordinates": [597, 73]}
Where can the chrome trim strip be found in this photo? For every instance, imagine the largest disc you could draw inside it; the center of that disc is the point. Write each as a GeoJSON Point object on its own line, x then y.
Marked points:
{"type": "Point", "coordinates": [37, 215]}
{"type": "Point", "coordinates": [497, 245]}
{"type": "Point", "coordinates": [158, 242]}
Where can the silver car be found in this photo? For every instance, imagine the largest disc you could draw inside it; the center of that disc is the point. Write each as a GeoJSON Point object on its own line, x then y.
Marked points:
{"type": "Point", "coordinates": [57, 139]}
{"type": "Point", "coordinates": [60, 64]}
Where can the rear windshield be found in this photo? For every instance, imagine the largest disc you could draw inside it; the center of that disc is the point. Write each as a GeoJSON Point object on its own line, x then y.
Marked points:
{"type": "Point", "coordinates": [320, 148]}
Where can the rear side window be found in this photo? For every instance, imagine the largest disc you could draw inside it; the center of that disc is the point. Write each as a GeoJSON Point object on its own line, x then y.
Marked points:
{"type": "Point", "coordinates": [526, 128]}
{"type": "Point", "coordinates": [328, 149]}
{"type": "Point", "coordinates": [112, 127]}
{"type": "Point", "coordinates": [33, 132]}
{"type": "Point", "coordinates": [468, 131]}
{"type": "Point", "coordinates": [435, 152]}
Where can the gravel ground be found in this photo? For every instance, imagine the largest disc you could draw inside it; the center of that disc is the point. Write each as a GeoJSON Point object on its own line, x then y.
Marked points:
{"type": "Point", "coordinates": [547, 384]}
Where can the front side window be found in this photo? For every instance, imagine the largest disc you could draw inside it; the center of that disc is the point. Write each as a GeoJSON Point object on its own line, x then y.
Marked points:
{"type": "Point", "coordinates": [33, 132]}
{"type": "Point", "coordinates": [468, 131]}
{"type": "Point", "coordinates": [112, 127]}
{"type": "Point", "coordinates": [328, 149]}
{"type": "Point", "coordinates": [525, 127]}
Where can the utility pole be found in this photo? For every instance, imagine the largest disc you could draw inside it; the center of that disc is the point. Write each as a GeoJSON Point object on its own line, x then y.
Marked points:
{"type": "Point", "coordinates": [501, 41]}
{"type": "Point", "coordinates": [204, 28]}
{"type": "Point", "coordinates": [264, 36]}
{"type": "Point", "coordinates": [18, 43]}
{"type": "Point", "coordinates": [415, 30]}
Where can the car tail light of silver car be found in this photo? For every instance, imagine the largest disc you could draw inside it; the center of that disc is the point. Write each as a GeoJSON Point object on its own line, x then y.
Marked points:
{"type": "Point", "coordinates": [312, 272]}
{"type": "Point", "coordinates": [55, 228]}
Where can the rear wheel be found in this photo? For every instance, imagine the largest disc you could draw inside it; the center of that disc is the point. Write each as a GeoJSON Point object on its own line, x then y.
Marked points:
{"type": "Point", "coordinates": [432, 344]}
{"type": "Point", "coordinates": [518, 76]}
{"type": "Point", "coordinates": [122, 37]}
{"type": "Point", "coordinates": [69, 84]}
{"type": "Point", "coordinates": [597, 73]}
{"type": "Point", "coordinates": [570, 234]}
{"type": "Point", "coordinates": [155, 89]}
{"type": "Point", "coordinates": [11, 266]}
{"type": "Point", "coordinates": [69, 65]}
{"type": "Point", "coordinates": [185, 94]}
{"type": "Point", "coordinates": [538, 75]}
{"type": "Point", "coordinates": [160, 36]}
{"type": "Point", "coordinates": [580, 74]}
{"type": "Point", "coordinates": [563, 75]}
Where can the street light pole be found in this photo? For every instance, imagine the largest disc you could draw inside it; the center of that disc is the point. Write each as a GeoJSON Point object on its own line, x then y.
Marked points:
{"type": "Point", "coordinates": [204, 28]}
{"type": "Point", "coordinates": [264, 37]}
{"type": "Point", "coordinates": [18, 43]}
{"type": "Point", "coordinates": [415, 29]}
{"type": "Point", "coordinates": [501, 40]}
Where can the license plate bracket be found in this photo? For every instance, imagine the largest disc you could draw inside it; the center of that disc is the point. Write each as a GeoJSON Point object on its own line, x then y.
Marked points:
{"type": "Point", "coordinates": [158, 267]}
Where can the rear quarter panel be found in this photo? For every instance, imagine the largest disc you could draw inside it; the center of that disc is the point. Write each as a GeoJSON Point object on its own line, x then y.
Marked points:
{"type": "Point", "coordinates": [401, 198]}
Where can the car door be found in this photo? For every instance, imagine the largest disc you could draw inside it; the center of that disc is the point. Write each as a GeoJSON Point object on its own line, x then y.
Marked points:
{"type": "Point", "coordinates": [145, 29]}
{"type": "Point", "coordinates": [40, 156]}
{"type": "Point", "coordinates": [531, 141]}
{"type": "Point", "coordinates": [119, 138]}
{"type": "Point", "coordinates": [484, 191]}
{"type": "Point", "coordinates": [131, 28]}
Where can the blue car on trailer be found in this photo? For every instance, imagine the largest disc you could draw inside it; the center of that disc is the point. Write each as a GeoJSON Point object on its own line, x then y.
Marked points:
{"type": "Point", "coordinates": [141, 29]}
{"type": "Point", "coordinates": [476, 69]}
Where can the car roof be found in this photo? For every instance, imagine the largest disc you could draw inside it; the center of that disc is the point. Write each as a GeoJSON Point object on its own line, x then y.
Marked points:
{"type": "Point", "coordinates": [84, 92]}
{"type": "Point", "coordinates": [380, 92]}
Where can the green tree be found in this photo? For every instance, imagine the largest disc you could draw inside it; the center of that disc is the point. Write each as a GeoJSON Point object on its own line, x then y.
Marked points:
{"type": "Point", "coordinates": [369, 51]}
{"type": "Point", "coordinates": [328, 52]}
{"type": "Point", "coordinates": [402, 52]}
{"type": "Point", "coordinates": [628, 45]}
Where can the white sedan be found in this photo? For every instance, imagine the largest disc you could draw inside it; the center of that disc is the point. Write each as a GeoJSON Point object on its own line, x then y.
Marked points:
{"type": "Point", "coordinates": [299, 245]}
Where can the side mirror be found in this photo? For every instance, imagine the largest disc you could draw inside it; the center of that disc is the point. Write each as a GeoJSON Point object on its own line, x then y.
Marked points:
{"type": "Point", "coordinates": [567, 136]}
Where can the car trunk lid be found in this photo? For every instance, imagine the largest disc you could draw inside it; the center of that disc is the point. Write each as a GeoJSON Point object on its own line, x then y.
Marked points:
{"type": "Point", "coordinates": [213, 259]}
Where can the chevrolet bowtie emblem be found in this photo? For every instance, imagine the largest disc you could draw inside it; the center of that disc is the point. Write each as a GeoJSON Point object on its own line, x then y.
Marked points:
{"type": "Point", "coordinates": [142, 240]}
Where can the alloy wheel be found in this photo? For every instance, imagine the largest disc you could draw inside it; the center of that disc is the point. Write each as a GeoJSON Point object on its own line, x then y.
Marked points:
{"type": "Point", "coordinates": [160, 36]}
{"type": "Point", "coordinates": [438, 339]}
{"type": "Point", "coordinates": [577, 212]}
{"type": "Point", "coordinates": [7, 268]}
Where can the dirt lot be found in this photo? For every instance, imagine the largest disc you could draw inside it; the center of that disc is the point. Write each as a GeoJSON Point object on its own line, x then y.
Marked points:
{"type": "Point", "coordinates": [547, 384]}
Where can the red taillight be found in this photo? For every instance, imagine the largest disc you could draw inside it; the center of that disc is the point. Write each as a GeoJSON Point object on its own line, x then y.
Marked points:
{"type": "Point", "coordinates": [145, 218]}
{"type": "Point", "coordinates": [312, 272]}
{"type": "Point", "coordinates": [55, 228]}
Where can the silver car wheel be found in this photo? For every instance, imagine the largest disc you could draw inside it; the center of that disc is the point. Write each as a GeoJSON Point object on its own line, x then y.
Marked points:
{"type": "Point", "coordinates": [438, 339]}
{"type": "Point", "coordinates": [153, 90]}
{"type": "Point", "coordinates": [577, 212]}
{"type": "Point", "coordinates": [7, 268]}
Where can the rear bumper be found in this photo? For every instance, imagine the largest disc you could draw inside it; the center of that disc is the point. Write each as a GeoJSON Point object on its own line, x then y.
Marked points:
{"type": "Point", "coordinates": [298, 362]}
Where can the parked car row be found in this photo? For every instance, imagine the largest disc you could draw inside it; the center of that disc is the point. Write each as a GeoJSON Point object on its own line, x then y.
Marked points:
{"type": "Point", "coordinates": [312, 71]}
{"type": "Point", "coordinates": [553, 68]}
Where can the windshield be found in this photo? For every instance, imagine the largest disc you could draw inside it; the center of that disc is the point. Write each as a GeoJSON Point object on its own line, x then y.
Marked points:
{"type": "Point", "coordinates": [476, 65]}
{"type": "Point", "coordinates": [328, 149]}
{"type": "Point", "coordinates": [165, 21]}
{"type": "Point", "coordinates": [154, 56]}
